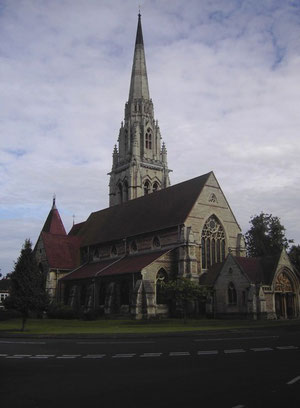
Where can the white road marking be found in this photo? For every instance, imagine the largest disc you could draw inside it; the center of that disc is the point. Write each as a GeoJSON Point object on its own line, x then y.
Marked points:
{"type": "Point", "coordinates": [69, 356]}
{"type": "Point", "coordinates": [232, 351]}
{"type": "Point", "coordinates": [94, 356]}
{"type": "Point", "coordinates": [3, 355]}
{"type": "Point", "coordinates": [43, 356]}
{"type": "Point", "coordinates": [262, 349]}
{"type": "Point", "coordinates": [22, 342]}
{"type": "Point", "coordinates": [287, 347]}
{"type": "Point", "coordinates": [204, 352]}
{"type": "Point", "coordinates": [179, 353]}
{"type": "Point", "coordinates": [151, 355]}
{"type": "Point", "coordinates": [115, 342]}
{"type": "Point", "coordinates": [238, 338]}
{"type": "Point", "coordinates": [294, 380]}
{"type": "Point", "coordinates": [238, 406]}
{"type": "Point", "coordinates": [19, 356]}
{"type": "Point", "coordinates": [123, 355]}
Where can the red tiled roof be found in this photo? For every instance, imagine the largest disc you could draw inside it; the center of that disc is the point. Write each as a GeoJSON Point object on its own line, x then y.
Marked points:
{"type": "Point", "coordinates": [62, 251]}
{"type": "Point", "coordinates": [161, 209]}
{"type": "Point", "coordinates": [54, 224]}
{"type": "Point", "coordinates": [128, 264]}
{"type": "Point", "coordinates": [259, 270]}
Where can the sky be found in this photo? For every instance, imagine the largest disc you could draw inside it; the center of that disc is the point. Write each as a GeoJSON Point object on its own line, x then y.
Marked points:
{"type": "Point", "coordinates": [224, 77]}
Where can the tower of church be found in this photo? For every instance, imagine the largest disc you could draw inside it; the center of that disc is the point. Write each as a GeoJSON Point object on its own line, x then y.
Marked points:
{"type": "Point", "coordinates": [140, 160]}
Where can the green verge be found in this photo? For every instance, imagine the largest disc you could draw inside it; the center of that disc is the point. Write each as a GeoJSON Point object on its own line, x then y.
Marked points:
{"type": "Point", "coordinates": [61, 327]}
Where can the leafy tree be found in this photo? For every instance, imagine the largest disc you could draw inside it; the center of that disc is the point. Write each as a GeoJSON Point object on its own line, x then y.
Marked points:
{"type": "Point", "coordinates": [294, 255]}
{"type": "Point", "coordinates": [183, 291]}
{"type": "Point", "coordinates": [266, 236]}
{"type": "Point", "coordinates": [27, 292]}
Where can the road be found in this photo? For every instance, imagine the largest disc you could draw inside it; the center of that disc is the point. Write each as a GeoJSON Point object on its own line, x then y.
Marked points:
{"type": "Point", "coordinates": [233, 369]}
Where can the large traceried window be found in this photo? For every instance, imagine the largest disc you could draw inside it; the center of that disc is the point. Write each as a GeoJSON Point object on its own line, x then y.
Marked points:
{"type": "Point", "coordinates": [212, 242]}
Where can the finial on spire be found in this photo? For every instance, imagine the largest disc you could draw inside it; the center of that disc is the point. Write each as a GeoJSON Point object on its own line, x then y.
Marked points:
{"type": "Point", "coordinates": [54, 199]}
{"type": "Point", "coordinates": [139, 11]}
{"type": "Point", "coordinates": [73, 219]}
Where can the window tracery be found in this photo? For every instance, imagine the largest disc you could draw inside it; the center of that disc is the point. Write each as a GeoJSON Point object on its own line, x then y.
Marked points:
{"type": "Point", "coordinates": [161, 277]}
{"type": "Point", "coordinates": [212, 242]}
{"type": "Point", "coordinates": [148, 139]}
{"type": "Point", "coordinates": [283, 283]}
{"type": "Point", "coordinates": [212, 198]}
{"type": "Point", "coordinates": [146, 187]}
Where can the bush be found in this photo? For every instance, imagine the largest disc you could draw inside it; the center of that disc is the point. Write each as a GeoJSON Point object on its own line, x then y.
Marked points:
{"type": "Point", "coordinates": [60, 311]}
{"type": "Point", "coordinates": [9, 314]}
{"type": "Point", "coordinates": [93, 314]}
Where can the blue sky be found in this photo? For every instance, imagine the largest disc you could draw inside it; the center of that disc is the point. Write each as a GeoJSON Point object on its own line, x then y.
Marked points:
{"type": "Point", "coordinates": [224, 78]}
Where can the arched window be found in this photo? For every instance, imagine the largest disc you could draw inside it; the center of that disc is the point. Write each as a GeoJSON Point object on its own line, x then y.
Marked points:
{"type": "Point", "coordinates": [114, 251]}
{"type": "Point", "coordinates": [232, 297]}
{"type": "Point", "coordinates": [156, 242]}
{"type": "Point", "coordinates": [125, 191]}
{"type": "Point", "coordinates": [155, 186]}
{"type": "Point", "coordinates": [212, 242]}
{"type": "Point", "coordinates": [148, 139]}
{"type": "Point", "coordinates": [146, 187]}
{"type": "Point", "coordinates": [96, 253]}
{"type": "Point", "coordinates": [124, 293]}
{"type": "Point", "coordinates": [120, 193]}
{"type": "Point", "coordinates": [161, 277]}
{"type": "Point", "coordinates": [133, 246]}
{"type": "Point", "coordinates": [102, 294]}
{"type": "Point", "coordinates": [126, 140]}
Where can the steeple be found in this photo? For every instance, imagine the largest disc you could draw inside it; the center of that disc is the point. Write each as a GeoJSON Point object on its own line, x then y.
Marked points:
{"type": "Point", "coordinates": [139, 81]}
{"type": "Point", "coordinates": [139, 163]}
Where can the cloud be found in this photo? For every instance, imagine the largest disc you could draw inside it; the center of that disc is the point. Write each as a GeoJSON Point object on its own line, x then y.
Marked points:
{"type": "Point", "coordinates": [223, 78]}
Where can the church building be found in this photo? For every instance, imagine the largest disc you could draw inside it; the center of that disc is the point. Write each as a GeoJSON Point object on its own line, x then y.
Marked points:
{"type": "Point", "coordinates": [152, 232]}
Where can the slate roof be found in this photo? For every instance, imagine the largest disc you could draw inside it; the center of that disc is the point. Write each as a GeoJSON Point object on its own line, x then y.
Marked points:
{"type": "Point", "coordinates": [75, 228]}
{"type": "Point", "coordinates": [123, 265]}
{"type": "Point", "coordinates": [62, 251]}
{"type": "Point", "coordinates": [208, 278]}
{"type": "Point", "coordinates": [159, 210]}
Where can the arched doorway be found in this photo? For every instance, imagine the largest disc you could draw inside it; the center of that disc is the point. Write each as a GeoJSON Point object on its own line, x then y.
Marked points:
{"type": "Point", "coordinates": [285, 296]}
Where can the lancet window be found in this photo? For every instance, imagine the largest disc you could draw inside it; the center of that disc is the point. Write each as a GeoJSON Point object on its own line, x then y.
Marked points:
{"type": "Point", "coordinates": [161, 277]}
{"type": "Point", "coordinates": [148, 139]}
{"type": "Point", "coordinates": [212, 242]}
{"type": "Point", "coordinates": [232, 296]}
{"type": "Point", "coordinates": [146, 187]}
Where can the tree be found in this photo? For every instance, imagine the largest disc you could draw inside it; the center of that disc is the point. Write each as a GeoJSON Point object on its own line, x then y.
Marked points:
{"type": "Point", "coordinates": [266, 236]}
{"type": "Point", "coordinates": [183, 291]}
{"type": "Point", "coordinates": [294, 255]}
{"type": "Point", "coordinates": [27, 292]}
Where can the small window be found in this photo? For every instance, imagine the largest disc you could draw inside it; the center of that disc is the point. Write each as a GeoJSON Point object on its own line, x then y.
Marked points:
{"type": "Point", "coordinates": [114, 251]}
{"type": "Point", "coordinates": [133, 246]}
{"type": "Point", "coordinates": [156, 242]}
{"type": "Point", "coordinates": [146, 187]}
{"type": "Point", "coordinates": [232, 297]}
{"type": "Point", "coordinates": [155, 186]}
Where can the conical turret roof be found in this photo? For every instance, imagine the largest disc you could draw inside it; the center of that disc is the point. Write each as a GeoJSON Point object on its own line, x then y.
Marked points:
{"type": "Point", "coordinates": [54, 224]}
{"type": "Point", "coordinates": [139, 81]}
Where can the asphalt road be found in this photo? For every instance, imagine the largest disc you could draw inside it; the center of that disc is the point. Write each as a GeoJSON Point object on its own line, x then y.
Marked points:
{"type": "Point", "coordinates": [233, 369]}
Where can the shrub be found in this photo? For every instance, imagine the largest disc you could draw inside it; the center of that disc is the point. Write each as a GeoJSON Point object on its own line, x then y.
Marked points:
{"type": "Point", "coordinates": [60, 311]}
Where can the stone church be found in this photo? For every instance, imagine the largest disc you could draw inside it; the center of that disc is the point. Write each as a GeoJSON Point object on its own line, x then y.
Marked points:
{"type": "Point", "coordinates": [152, 232]}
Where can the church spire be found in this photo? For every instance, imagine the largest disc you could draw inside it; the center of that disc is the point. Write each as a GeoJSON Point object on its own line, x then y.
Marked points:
{"type": "Point", "coordinates": [139, 81]}
{"type": "Point", "coordinates": [139, 164]}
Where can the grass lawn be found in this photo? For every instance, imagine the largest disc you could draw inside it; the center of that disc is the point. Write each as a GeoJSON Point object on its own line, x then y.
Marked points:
{"type": "Point", "coordinates": [55, 326]}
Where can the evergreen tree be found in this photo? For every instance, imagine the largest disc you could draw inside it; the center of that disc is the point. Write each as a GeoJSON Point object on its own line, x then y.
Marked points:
{"type": "Point", "coordinates": [294, 255]}
{"type": "Point", "coordinates": [27, 291]}
{"type": "Point", "coordinates": [266, 236]}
